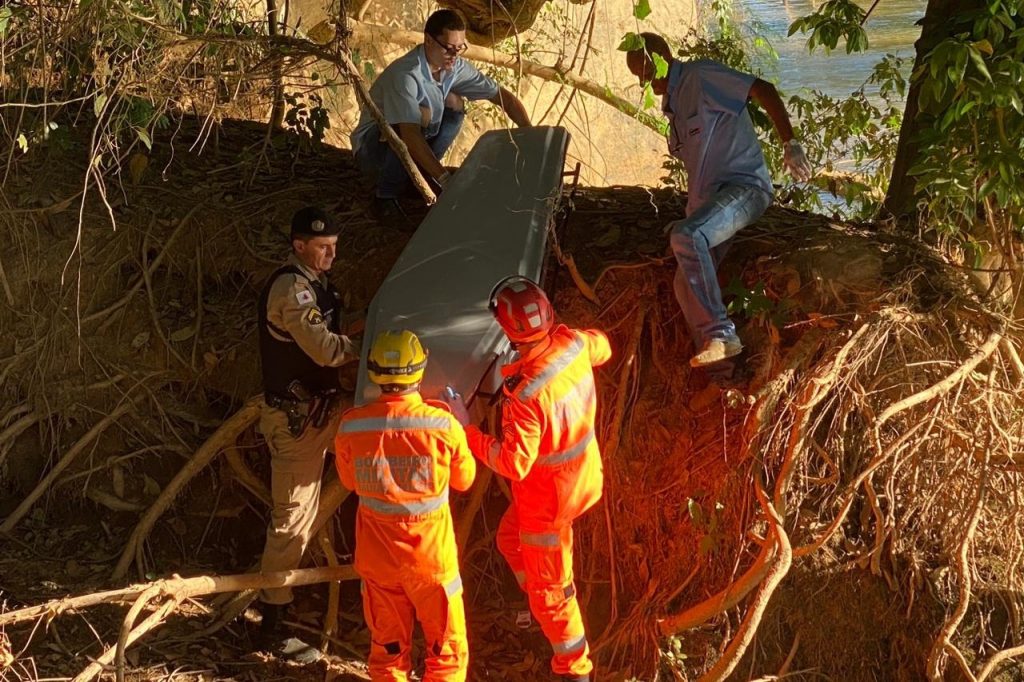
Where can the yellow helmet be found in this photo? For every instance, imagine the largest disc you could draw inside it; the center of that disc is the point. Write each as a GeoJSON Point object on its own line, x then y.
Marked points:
{"type": "Point", "coordinates": [396, 357]}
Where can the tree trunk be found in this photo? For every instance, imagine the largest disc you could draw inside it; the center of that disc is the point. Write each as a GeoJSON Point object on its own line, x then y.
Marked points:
{"type": "Point", "coordinates": [901, 197]}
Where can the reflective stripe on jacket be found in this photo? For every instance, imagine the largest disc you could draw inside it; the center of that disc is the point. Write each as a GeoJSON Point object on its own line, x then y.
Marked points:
{"type": "Point", "coordinates": [400, 454]}
{"type": "Point", "coordinates": [548, 447]}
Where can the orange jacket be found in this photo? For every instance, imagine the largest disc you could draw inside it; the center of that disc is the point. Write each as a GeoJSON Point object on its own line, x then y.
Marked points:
{"type": "Point", "coordinates": [548, 446]}
{"type": "Point", "coordinates": [400, 454]}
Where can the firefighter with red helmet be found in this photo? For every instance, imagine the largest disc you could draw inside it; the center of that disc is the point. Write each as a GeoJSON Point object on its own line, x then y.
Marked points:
{"type": "Point", "coordinates": [548, 449]}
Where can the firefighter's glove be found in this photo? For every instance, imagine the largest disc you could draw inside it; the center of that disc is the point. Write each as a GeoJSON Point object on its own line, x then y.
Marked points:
{"type": "Point", "coordinates": [458, 406]}
{"type": "Point", "coordinates": [795, 160]}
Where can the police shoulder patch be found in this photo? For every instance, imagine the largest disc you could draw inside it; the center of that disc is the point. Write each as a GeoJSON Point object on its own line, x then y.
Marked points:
{"type": "Point", "coordinates": [314, 317]}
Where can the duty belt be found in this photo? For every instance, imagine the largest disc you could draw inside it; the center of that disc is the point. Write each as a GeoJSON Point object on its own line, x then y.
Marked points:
{"type": "Point", "coordinates": [315, 410]}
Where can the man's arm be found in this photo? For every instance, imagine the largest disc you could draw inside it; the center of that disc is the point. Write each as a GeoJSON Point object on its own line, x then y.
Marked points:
{"type": "Point", "coordinates": [419, 150]}
{"type": "Point", "coordinates": [291, 306]}
{"type": "Point", "coordinates": [514, 454]}
{"type": "Point", "coordinates": [767, 97]}
{"type": "Point", "coordinates": [513, 107]}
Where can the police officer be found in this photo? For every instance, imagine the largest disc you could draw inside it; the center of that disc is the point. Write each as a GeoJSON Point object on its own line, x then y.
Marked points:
{"type": "Point", "coordinates": [301, 348]}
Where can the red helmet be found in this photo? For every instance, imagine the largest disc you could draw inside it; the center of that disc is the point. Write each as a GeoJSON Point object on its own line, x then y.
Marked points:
{"type": "Point", "coordinates": [522, 309]}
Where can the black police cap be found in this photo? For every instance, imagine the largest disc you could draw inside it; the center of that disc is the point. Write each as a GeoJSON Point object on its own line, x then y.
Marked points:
{"type": "Point", "coordinates": [313, 222]}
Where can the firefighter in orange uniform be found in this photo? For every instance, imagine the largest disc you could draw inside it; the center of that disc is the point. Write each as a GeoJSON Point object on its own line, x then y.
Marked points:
{"type": "Point", "coordinates": [400, 454]}
{"type": "Point", "coordinates": [549, 450]}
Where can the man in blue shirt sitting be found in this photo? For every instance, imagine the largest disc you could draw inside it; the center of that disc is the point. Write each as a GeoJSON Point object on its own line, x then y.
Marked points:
{"type": "Point", "coordinates": [728, 183]}
{"type": "Point", "coordinates": [422, 95]}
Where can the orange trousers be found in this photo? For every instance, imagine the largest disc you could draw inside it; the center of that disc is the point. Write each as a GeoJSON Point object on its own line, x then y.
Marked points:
{"type": "Point", "coordinates": [542, 563]}
{"type": "Point", "coordinates": [391, 611]}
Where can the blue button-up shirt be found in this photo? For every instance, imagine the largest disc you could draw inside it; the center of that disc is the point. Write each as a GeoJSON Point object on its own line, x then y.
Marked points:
{"type": "Point", "coordinates": [406, 92]}
{"type": "Point", "coordinates": [710, 130]}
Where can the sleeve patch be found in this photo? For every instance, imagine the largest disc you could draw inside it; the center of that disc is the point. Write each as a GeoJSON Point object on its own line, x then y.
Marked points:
{"type": "Point", "coordinates": [303, 297]}
{"type": "Point", "coordinates": [314, 317]}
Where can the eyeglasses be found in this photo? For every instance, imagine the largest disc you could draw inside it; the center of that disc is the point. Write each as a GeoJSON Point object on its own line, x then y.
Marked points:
{"type": "Point", "coordinates": [450, 49]}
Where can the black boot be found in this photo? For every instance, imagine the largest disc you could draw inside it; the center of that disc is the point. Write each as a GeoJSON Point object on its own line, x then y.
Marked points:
{"type": "Point", "coordinates": [274, 640]}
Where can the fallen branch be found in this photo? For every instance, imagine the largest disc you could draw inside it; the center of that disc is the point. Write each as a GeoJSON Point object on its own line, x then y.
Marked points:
{"type": "Point", "coordinates": [333, 590]}
{"type": "Point", "coordinates": [178, 590]}
{"type": "Point", "coordinates": [154, 620]}
{"type": "Point", "coordinates": [126, 628]}
{"type": "Point", "coordinates": [724, 600]}
{"type": "Point", "coordinates": [221, 438]}
{"type": "Point", "coordinates": [8, 435]}
{"type": "Point", "coordinates": [185, 588]}
{"type": "Point", "coordinates": [394, 141]}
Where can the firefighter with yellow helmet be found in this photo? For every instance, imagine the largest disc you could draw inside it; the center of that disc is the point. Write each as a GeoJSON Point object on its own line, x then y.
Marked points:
{"type": "Point", "coordinates": [400, 454]}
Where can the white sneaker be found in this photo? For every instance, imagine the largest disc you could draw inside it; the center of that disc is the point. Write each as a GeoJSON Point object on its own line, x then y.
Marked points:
{"type": "Point", "coordinates": [716, 350]}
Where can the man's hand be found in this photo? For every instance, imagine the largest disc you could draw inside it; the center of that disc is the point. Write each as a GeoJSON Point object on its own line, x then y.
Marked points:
{"type": "Point", "coordinates": [458, 406]}
{"type": "Point", "coordinates": [796, 161]}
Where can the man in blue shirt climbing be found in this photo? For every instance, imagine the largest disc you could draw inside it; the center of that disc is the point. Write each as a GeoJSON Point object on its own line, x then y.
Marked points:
{"type": "Point", "coordinates": [422, 96]}
{"type": "Point", "coordinates": [728, 183]}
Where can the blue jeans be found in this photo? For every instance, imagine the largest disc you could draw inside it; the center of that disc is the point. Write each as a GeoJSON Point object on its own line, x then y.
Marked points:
{"type": "Point", "coordinates": [699, 243]}
{"type": "Point", "coordinates": [379, 161]}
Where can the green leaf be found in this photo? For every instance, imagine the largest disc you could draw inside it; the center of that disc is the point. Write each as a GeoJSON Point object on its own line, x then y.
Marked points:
{"type": "Point", "coordinates": [5, 17]}
{"type": "Point", "coordinates": [642, 9]}
{"type": "Point", "coordinates": [98, 104]}
{"type": "Point", "coordinates": [144, 137]}
{"type": "Point", "coordinates": [660, 66]}
{"type": "Point", "coordinates": [22, 142]}
{"type": "Point", "coordinates": [649, 101]}
{"type": "Point", "coordinates": [979, 64]}
{"type": "Point", "coordinates": [631, 41]}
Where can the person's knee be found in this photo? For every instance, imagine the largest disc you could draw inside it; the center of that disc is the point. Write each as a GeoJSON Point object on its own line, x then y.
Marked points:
{"type": "Point", "coordinates": [683, 240]}
{"type": "Point", "coordinates": [454, 102]}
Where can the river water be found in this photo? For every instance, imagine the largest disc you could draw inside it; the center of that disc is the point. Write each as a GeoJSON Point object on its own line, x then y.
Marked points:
{"type": "Point", "coordinates": [891, 29]}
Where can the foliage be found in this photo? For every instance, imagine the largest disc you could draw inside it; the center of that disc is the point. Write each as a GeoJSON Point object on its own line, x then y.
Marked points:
{"type": "Point", "coordinates": [834, 20]}
{"type": "Point", "coordinates": [971, 121]}
{"type": "Point", "coordinates": [306, 117]}
{"type": "Point", "coordinates": [859, 131]}
{"type": "Point", "coordinates": [134, 67]}
{"type": "Point", "coordinates": [852, 141]}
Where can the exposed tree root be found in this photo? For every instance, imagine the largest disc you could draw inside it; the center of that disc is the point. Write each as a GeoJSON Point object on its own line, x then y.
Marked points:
{"type": "Point", "coordinates": [783, 559]}
{"type": "Point", "coordinates": [943, 644]}
{"type": "Point", "coordinates": [222, 438]}
{"type": "Point", "coordinates": [63, 463]}
{"type": "Point", "coordinates": [947, 384]}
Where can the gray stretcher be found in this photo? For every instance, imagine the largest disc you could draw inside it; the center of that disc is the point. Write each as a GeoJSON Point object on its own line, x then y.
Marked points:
{"type": "Point", "coordinates": [491, 221]}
